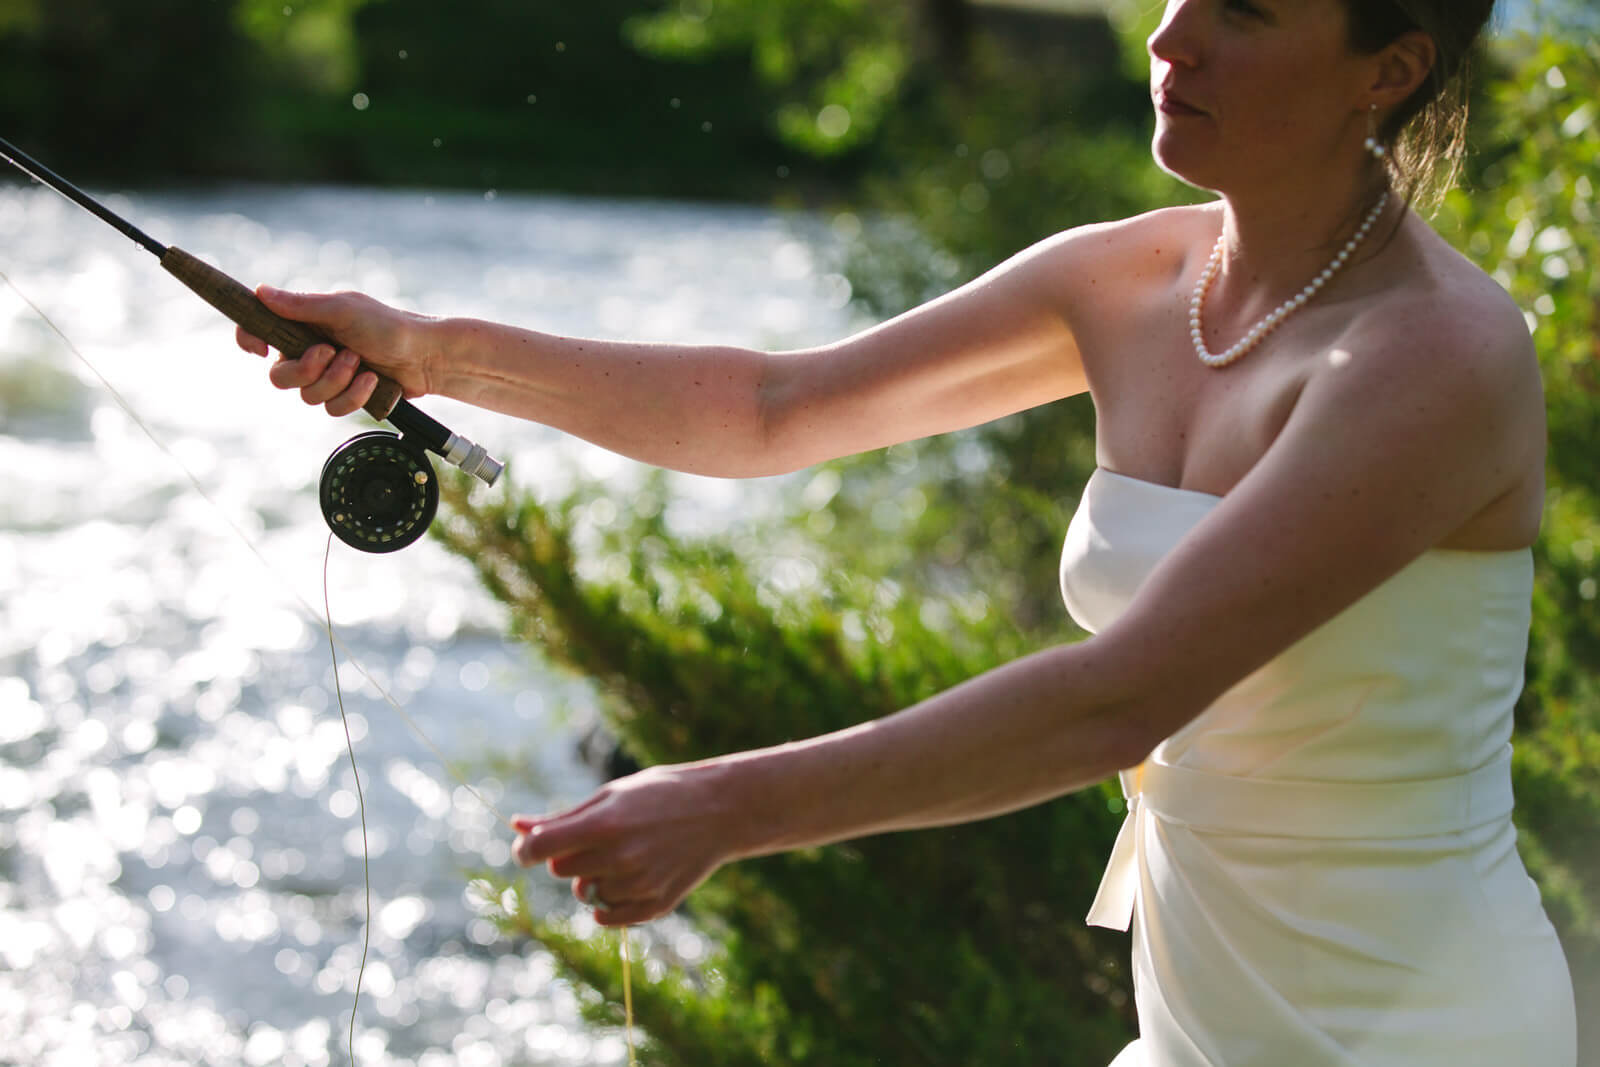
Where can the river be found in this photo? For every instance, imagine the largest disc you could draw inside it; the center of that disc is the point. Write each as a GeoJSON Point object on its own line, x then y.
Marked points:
{"type": "Point", "coordinates": [180, 840]}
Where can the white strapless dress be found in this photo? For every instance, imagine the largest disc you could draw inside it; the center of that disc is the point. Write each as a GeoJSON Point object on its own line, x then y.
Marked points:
{"type": "Point", "coordinates": [1321, 868]}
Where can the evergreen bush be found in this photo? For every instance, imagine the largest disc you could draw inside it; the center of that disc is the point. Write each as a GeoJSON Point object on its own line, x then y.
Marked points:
{"type": "Point", "coordinates": [963, 945]}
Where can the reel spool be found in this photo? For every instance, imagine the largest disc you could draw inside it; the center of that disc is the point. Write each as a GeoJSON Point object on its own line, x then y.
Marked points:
{"type": "Point", "coordinates": [378, 492]}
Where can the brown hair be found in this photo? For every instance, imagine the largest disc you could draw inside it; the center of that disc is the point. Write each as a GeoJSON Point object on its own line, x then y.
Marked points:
{"type": "Point", "coordinates": [1426, 134]}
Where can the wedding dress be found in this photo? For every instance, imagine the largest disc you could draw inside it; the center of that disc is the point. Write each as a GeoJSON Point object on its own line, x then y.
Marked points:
{"type": "Point", "coordinates": [1321, 868]}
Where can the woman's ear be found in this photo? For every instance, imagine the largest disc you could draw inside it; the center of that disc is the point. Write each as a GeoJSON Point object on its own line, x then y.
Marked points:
{"type": "Point", "coordinates": [1402, 68]}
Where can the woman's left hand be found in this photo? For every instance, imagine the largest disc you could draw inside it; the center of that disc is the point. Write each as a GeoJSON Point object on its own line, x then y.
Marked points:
{"type": "Point", "coordinates": [638, 846]}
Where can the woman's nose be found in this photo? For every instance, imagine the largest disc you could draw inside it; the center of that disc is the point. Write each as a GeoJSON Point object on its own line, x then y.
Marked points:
{"type": "Point", "coordinates": [1175, 41]}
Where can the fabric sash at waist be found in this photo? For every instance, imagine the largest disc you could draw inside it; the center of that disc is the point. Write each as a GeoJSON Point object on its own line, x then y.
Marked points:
{"type": "Point", "coordinates": [1230, 804]}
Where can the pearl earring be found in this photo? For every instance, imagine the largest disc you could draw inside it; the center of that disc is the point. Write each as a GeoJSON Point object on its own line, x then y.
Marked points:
{"type": "Point", "coordinates": [1373, 146]}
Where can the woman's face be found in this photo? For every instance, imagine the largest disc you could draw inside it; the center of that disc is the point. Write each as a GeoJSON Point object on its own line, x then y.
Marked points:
{"type": "Point", "coordinates": [1255, 93]}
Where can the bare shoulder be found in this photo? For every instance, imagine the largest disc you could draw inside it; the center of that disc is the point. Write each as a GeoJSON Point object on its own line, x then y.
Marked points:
{"type": "Point", "coordinates": [1442, 321]}
{"type": "Point", "coordinates": [1111, 270]}
{"type": "Point", "coordinates": [1165, 236]}
{"type": "Point", "coordinates": [1438, 375]}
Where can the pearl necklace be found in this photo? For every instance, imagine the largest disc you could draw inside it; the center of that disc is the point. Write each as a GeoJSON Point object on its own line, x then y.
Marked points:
{"type": "Point", "coordinates": [1275, 317]}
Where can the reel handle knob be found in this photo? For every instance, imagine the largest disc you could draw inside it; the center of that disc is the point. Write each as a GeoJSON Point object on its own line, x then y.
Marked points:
{"type": "Point", "coordinates": [237, 302]}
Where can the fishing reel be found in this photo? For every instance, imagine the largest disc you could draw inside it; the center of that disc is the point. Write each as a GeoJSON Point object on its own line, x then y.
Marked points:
{"type": "Point", "coordinates": [379, 492]}
{"type": "Point", "coordinates": [378, 489]}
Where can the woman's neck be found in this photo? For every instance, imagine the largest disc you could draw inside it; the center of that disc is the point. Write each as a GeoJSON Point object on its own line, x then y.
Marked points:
{"type": "Point", "coordinates": [1274, 242]}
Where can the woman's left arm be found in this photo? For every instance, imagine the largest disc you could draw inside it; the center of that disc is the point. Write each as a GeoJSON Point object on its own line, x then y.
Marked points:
{"type": "Point", "coordinates": [1406, 432]}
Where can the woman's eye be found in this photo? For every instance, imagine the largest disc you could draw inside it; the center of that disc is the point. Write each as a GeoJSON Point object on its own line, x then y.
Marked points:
{"type": "Point", "coordinates": [1244, 7]}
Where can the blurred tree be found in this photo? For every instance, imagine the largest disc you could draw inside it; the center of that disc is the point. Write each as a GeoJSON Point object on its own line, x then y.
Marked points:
{"type": "Point", "coordinates": [18, 15]}
{"type": "Point", "coordinates": [478, 92]}
{"type": "Point", "coordinates": [835, 67]}
{"type": "Point", "coordinates": [312, 41]}
{"type": "Point", "coordinates": [508, 93]}
{"type": "Point", "coordinates": [99, 88]}
{"type": "Point", "coordinates": [955, 946]}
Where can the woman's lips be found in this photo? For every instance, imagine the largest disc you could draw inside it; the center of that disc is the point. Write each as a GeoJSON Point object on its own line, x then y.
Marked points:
{"type": "Point", "coordinates": [1170, 103]}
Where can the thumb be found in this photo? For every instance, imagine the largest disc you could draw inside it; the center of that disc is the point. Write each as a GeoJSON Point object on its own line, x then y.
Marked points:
{"type": "Point", "coordinates": [319, 309]}
{"type": "Point", "coordinates": [555, 834]}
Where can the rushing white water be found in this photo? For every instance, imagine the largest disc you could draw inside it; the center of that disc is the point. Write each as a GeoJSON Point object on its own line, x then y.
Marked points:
{"type": "Point", "coordinates": [180, 853]}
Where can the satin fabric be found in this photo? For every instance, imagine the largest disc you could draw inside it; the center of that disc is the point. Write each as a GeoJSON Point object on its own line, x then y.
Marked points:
{"type": "Point", "coordinates": [1321, 868]}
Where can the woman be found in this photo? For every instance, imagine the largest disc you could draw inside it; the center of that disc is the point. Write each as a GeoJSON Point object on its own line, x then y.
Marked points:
{"type": "Point", "coordinates": [1305, 557]}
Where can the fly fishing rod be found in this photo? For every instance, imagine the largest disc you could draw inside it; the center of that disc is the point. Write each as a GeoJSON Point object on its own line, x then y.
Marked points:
{"type": "Point", "coordinates": [378, 491]}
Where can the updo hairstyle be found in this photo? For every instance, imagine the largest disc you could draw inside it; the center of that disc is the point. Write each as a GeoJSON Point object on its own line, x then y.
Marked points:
{"type": "Point", "coordinates": [1426, 135]}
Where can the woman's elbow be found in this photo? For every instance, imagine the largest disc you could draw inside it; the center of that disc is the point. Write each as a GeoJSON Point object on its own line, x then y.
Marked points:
{"type": "Point", "coordinates": [1136, 704]}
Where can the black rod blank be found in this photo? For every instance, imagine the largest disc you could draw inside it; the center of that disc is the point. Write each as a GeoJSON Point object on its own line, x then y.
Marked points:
{"type": "Point", "coordinates": [45, 176]}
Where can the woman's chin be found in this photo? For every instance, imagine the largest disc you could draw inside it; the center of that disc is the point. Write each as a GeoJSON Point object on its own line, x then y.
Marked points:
{"type": "Point", "coordinates": [1189, 171]}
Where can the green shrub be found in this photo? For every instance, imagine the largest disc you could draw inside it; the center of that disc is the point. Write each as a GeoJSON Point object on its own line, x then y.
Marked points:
{"type": "Point", "coordinates": [953, 946]}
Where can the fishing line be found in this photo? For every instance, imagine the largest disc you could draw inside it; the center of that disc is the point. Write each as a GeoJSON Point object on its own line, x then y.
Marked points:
{"type": "Point", "coordinates": [335, 646]}
{"type": "Point", "coordinates": [377, 491]}
{"type": "Point", "coordinates": [361, 800]}
{"type": "Point", "coordinates": [310, 612]}
{"type": "Point", "coordinates": [627, 993]}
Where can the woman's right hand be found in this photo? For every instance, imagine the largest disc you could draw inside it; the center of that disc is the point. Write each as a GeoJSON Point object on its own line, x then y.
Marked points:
{"type": "Point", "coordinates": [373, 336]}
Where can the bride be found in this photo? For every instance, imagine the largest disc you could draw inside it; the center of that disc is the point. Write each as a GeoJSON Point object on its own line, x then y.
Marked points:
{"type": "Point", "coordinates": [1304, 557]}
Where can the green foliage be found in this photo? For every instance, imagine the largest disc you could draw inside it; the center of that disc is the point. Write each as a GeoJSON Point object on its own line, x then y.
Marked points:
{"type": "Point", "coordinates": [963, 945]}
{"type": "Point", "coordinates": [837, 67]}
{"type": "Point", "coordinates": [313, 40]}
{"type": "Point", "coordinates": [745, 98]}
{"type": "Point", "coordinates": [1531, 219]}
{"type": "Point", "coordinates": [498, 93]}
{"type": "Point", "coordinates": [110, 88]}
{"type": "Point", "coordinates": [678, 1023]}
{"type": "Point", "coordinates": [18, 15]}
{"type": "Point", "coordinates": [513, 94]}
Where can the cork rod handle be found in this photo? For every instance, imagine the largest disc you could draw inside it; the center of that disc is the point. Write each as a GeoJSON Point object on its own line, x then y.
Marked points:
{"type": "Point", "coordinates": [241, 305]}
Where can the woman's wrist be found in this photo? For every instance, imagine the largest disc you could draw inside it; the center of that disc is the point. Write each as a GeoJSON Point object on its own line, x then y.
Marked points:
{"type": "Point", "coordinates": [745, 794]}
{"type": "Point", "coordinates": [446, 348]}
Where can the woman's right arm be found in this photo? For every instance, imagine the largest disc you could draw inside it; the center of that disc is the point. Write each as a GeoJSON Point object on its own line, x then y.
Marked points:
{"type": "Point", "coordinates": [999, 344]}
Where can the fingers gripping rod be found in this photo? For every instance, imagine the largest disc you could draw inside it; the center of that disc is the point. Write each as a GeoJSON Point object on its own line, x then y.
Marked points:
{"type": "Point", "coordinates": [291, 338]}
